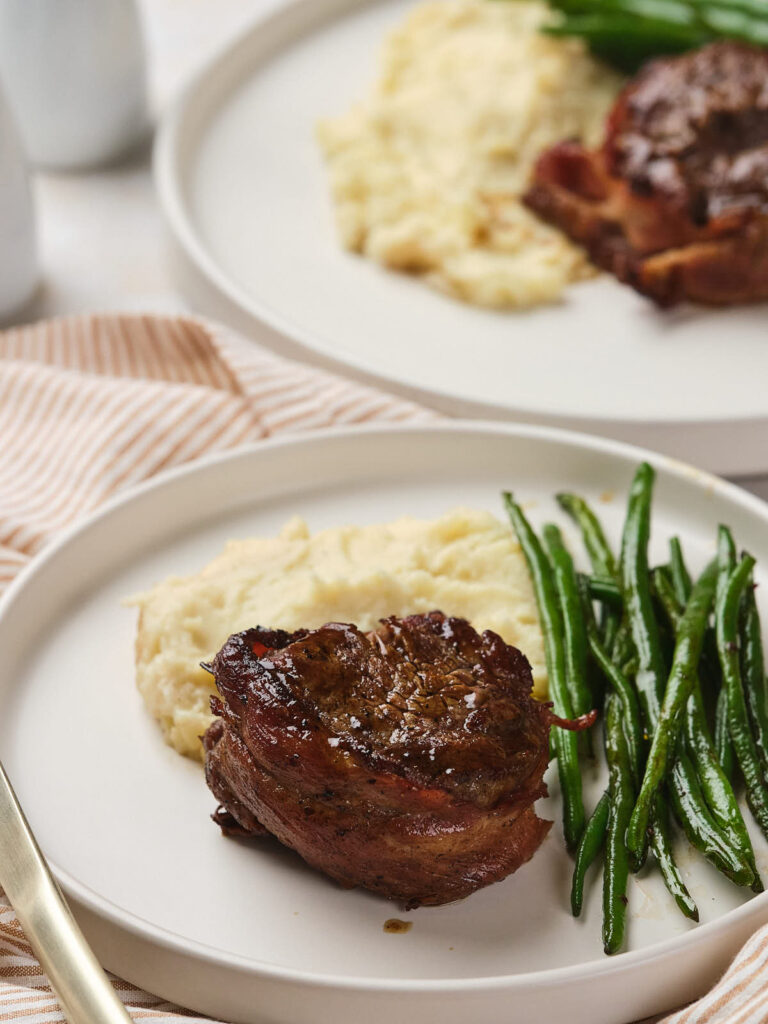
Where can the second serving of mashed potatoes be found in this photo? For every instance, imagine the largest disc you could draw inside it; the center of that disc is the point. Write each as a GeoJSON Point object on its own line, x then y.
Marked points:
{"type": "Point", "coordinates": [466, 563]}
{"type": "Point", "coordinates": [427, 171]}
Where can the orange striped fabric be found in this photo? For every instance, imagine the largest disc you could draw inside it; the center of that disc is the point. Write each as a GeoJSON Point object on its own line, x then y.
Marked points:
{"type": "Point", "coordinates": [90, 406]}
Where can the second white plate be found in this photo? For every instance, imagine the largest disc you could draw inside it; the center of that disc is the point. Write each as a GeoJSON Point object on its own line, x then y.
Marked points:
{"type": "Point", "coordinates": [246, 194]}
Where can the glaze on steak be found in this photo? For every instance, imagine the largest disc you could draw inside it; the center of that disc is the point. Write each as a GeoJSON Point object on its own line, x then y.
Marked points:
{"type": "Point", "coordinates": [406, 760]}
{"type": "Point", "coordinates": [675, 202]}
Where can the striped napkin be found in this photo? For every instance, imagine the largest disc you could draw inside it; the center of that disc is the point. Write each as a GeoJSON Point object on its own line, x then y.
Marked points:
{"type": "Point", "coordinates": [92, 405]}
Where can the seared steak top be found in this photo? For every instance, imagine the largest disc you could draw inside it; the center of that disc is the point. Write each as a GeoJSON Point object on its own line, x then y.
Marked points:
{"type": "Point", "coordinates": [425, 698]}
{"type": "Point", "coordinates": [695, 129]}
{"type": "Point", "coordinates": [675, 201]}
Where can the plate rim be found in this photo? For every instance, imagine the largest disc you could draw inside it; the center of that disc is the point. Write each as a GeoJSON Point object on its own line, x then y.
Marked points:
{"type": "Point", "coordinates": [281, 334]}
{"type": "Point", "coordinates": [127, 921]}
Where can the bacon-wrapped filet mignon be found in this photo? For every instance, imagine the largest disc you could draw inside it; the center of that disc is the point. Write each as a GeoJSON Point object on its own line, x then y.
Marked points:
{"type": "Point", "coordinates": [406, 760]}
{"type": "Point", "coordinates": [675, 202]}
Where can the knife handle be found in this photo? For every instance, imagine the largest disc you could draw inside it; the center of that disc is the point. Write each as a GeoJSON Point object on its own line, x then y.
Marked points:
{"type": "Point", "coordinates": [83, 990]}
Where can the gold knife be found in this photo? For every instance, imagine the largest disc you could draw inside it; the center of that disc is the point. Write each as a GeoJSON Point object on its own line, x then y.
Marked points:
{"type": "Point", "coordinates": [81, 986]}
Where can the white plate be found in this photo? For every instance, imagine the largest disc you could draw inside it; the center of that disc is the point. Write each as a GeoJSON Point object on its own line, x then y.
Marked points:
{"type": "Point", "coordinates": [248, 932]}
{"type": "Point", "coordinates": [246, 195]}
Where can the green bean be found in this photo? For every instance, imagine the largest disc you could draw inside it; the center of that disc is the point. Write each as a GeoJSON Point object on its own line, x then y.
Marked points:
{"type": "Point", "coordinates": [574, 633]}
{"type": "Point", "coordinates": [622, 652]}
{"type": "Point", "coordinates": [636, 592]}
{"type": "Point", "coordinates": [698, 822]}
{"type": "Point", "coordinates": [723, 745]}
{"type": "Point", "coordinates": [664, 590]}
{"type": "Point", "coordinates": [734, 24]}
{"type": "Point", "coordinates": [715, 783]}
{"type": "Point", "coordinates": [723, 755]}
{"type": "Point", "coordinates": [616, 868]}
{"type": "Point", "coordinates": [726, 622]}
{"type": "Point", "coordinates": [628, 32]}
{"type": "Point", "coordinates": [753, 8]}
{"type": "Point", "coordinates": [691, 809]}
{"type": "Point", "coordinates": [726, 560]}
{"type": "Point", "coordinates": [661, 840]}
{"type": "Point", "coordinates": [682, 677]}
{"type": "Point", "coordinates": [702, 833]}
{"type": "Point", "coordinates": [606, 591]}
{"type": "Point", "coordinates": [626, 41]}
{"type": "Point", "coordinates": [552, 627]}
{"type": "Point", "coordinates": [661, 844]}
{"type": "Point", "coordinates": [753, 673]}
{"type": "Point", "coordinates": [709, 676]}
{"type": "Point", "coordinates": [599, 551]}
{"type": "Point", "coordinates": [620, 686]}
{"type": "Point", "coordinates": [681, 579]}
{"type": "Point", "coordinates": [591, 843]}
{"type": "Point", "coordinates": [715, 786]}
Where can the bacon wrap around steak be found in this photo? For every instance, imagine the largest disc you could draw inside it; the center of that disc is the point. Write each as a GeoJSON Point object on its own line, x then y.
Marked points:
{"type": "Point", "coordinates": [406, 760]}
{"type": "Point", "coordinates": [675, 202]}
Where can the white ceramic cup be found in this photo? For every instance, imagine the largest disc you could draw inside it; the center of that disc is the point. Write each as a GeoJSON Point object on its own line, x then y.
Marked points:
{"type": "Point", "coordinates": [18, 239]}
{"type": "Point", "coordinates": [75, 76]}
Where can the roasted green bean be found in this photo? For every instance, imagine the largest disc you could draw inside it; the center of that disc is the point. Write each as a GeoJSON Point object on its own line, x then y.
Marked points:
{"type": "Point", "coordinates": [682, 677]}
{"type": "Point", "coordinates": [552, 630]}
{"type": "Point", "coordinates": [620, 685]}
{"type": "Point", "coordinates": [702, 832]}
{"type": "Point", "coordinates": [622, 794]}
{"type": "Point", "coordinates": [661, 844]}
{"type": "Point", "coordinates": [574, 632]}
{"type": "Point", "coordinates": [600, 556]}
{"type": "Point", "coordinates": [681, 579]}
{"type": "Point", "coordinates": [715, 785]}
{"type": "Point", "coordinates": [636, 592]}
{"type": "Point", "coordinates": [753, 673]}
{"type": "Point", "coordinates": [726, 623]}
{"type": "Point", "coordinates": [589, 847]}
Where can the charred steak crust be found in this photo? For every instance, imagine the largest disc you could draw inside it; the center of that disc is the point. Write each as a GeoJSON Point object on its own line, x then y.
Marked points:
{"type": "Point", "coordinates": [675, 202]}
{"type": "Point", "coordinates": [405, 760]}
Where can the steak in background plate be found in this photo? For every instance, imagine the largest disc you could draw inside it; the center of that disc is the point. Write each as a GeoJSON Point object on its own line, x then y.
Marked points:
{"type": "Point", "coordinates": [406, 760]}
{"type": "Point", "coordinates": [675, 202]}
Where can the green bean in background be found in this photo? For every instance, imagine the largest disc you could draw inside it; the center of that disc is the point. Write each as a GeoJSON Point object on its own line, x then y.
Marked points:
{"type": "Point", "coordinates": [588, 849]}
{"type": "Point", "coordinates": [566, 743]}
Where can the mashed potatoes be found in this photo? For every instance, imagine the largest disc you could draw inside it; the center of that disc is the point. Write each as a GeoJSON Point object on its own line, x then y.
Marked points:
{"type": "Point", "coordinates": [466, 563]}
{"type": "Point", "coordinates": [426, 173]}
